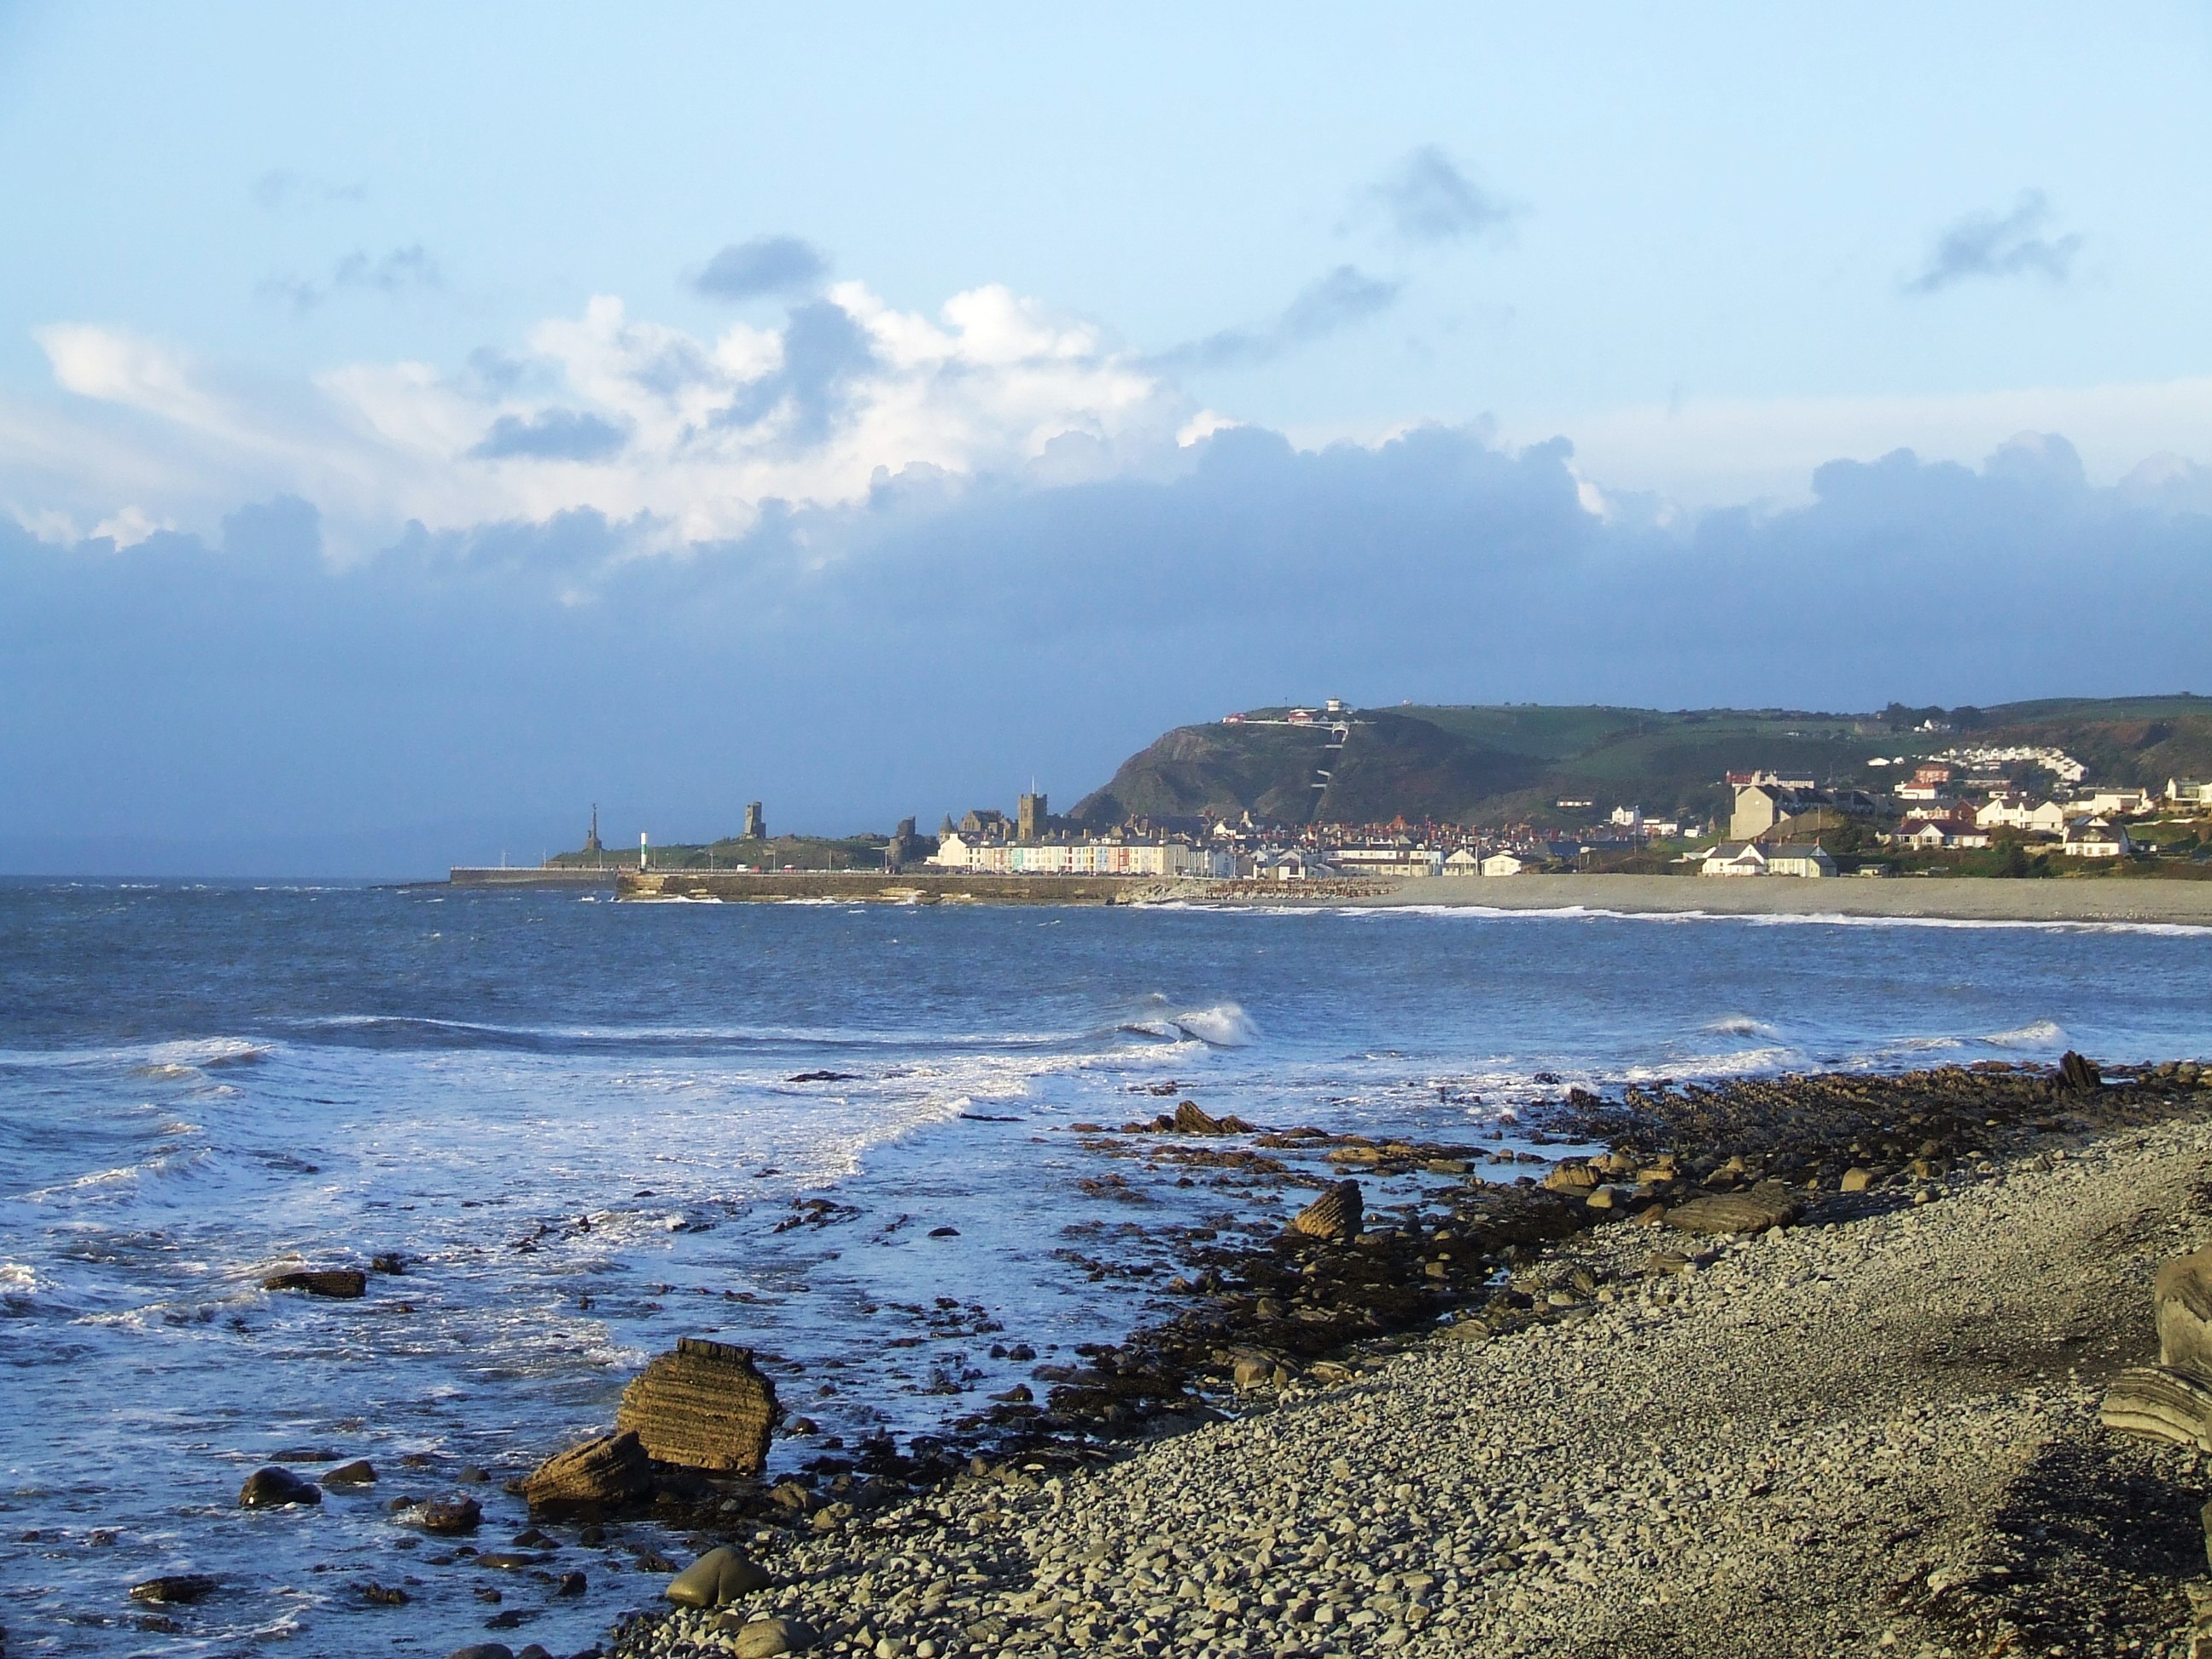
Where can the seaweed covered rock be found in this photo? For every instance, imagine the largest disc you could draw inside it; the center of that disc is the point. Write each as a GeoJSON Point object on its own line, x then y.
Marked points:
{"type": "Point", "coordinates": [1336, 1215]}
{"type": "Point", "coordinates": [704, 1406]}
{"type": "Point", "coordinates": [609, 1473]}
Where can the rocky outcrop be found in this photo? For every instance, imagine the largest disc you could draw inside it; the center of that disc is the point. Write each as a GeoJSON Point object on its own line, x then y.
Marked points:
{"type": "Point", "coordinates": [1770, 1204]}
{"type": "Point", "coordinates": [2077, 1076]}
{"type": "Point", "coordinates": [275, 1488]}
{"type": "Point", "coordinates": [717, 1579]}
{"type": "Point", "coordinates": [359, 1473]}
{"type": "Point", "coordinates": [344, 1283]}
{"type": "Point", "coordinates": [606, 1473]}
{"type": "Point", "coordinates": [704, 1406]}
{"type": "Point", "coordinates": [1336, 1215]}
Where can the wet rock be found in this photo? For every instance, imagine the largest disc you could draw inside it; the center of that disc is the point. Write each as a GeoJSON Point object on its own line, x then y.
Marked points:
{"type": "Point", "coordinates": [444, 1517]}
{"type": "Point", "coordinates": [763, 1638]}
{"type": "Point", "coordinates": [359, 1473]}
{"type": "Point", "coordinates": [483, 1650]}
{"type": "Point", "coordinates": [704, 1406]}
{"type": "Point", "coordinates": [609, 1473]}
{"type": "Point", "coordinates": [1192, 1119]}
{"type": "Point", "coordinates": [174, 1590]}
{"type": "Point", "coordinates": [1752, 1210]}
{"type": "Point", "coordinates": [1335, 1215]}
{"type": "Point", "coordinates": [343, 1282]}
{"type": "Point", "coordinates": [384, 1596]}
{"type": "Point", "coordinates": [2183, 1296]}
{"type": "Point", "coordinates": [1570, 1178]}
{"type": "Point", "coordinates": [717, 1579]}
{"type": "Point", "coordinates": [388, 1262]}
{"type": "Point", "coordinates": [572, 1583]}
{"type": "Point", "coordinates": [2159, 1404]}
{"type": "Point", "coordinates": [2077, 1076]}
{"type": "Point", "coordinates": [274, 1488]}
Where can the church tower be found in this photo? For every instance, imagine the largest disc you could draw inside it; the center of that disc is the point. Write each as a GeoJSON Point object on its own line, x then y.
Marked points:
{"type": "Point", "coordinates": [592, 842]}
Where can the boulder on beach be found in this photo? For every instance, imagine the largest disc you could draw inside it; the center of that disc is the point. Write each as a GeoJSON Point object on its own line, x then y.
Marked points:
{"type": "Point", "coordinates": [717, 1579]}
{"type": "Point", "coordinates": [1769, 1204]}
{"type": "Point", "coordinates": [174, 1590]}
{"type": "Point", "coordinates": [2183, 1296]}
{"type": "Point", "coordinates": [704, 1406]}
{"type": "Point", "coordinates": [764, 1639]}
{"type": "Point", "coordinates": [2160, 1403]}
{"type": "Point", "coordinates": [606, 1473]}
{"type": "Point", "coordinates": [275, 1487]}
{"type": "Point", "coordinates": [344, 1283]}
{"type": "Point", "coordinates": [1335, 1215]}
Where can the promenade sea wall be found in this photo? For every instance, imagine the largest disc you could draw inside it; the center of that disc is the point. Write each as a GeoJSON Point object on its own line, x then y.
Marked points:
{"type": "Point", "coordinates": [1951, 898]}
{"type": "Point", "coordinates": [773, 886]}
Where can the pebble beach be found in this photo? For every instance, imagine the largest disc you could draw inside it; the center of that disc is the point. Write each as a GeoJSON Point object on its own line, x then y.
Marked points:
{"type": "Point", "coordinates": [1879, 1435]}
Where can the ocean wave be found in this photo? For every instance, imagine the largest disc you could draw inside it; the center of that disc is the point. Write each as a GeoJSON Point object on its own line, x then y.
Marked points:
{"type": "Point", "coordinates": [1740, 1026]}
{"type": "Point", "coordinates": [2037, 1034]}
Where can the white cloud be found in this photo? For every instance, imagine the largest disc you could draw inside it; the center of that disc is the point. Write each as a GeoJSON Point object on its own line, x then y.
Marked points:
{"type": "Point", "coordinates": [688, 434]}
{"type": "Point", "coordinates": [130, 526]}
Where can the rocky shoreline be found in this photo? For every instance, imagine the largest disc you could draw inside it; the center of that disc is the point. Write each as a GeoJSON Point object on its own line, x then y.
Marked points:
{"type": "Point", "coordinates": [1512, 1416]}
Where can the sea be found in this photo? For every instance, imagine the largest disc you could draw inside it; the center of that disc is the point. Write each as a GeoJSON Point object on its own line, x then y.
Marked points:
{"type": "Point", "coordinates": [839, 1134]}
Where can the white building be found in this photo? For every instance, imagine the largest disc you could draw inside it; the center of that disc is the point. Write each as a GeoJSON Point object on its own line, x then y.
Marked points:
{"type": "Point", "coordinates": [1800, 860]}
{"type": "Point", "coordinates": [1725, 860]}
{"type": "Point", "coordinates": [1081, 858]}
{"type": "Point", "coordinates": [1388, 860]}
{"type": "Point", "coordinates": [1464, 862]}
{"type": "Point", "coordinates": [1506, 863]}
{"type": "Point", "coordinates": [2180, 791]}
{"type": "Point", "coordinates": [2096, 838]}
{"type": "Point", "coordinates": [2017, 813]}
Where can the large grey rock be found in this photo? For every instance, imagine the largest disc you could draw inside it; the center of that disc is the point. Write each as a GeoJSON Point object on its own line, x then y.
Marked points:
{"type": "Point", "coordinates": [764, 1639]}
{"type": "Point", "coordinates": [1767, 1204]}
{"type": "Point", "coordinates": [717, 1579]}
{"type": "Point", "coordinates": [704, 1406]}
{"type": "Point", "coordinates": [606, 1473]}
{"type": "Point", "coordinates": [2159, 1404]}
{"type": "Point", "coordinates": [2183, 1296]}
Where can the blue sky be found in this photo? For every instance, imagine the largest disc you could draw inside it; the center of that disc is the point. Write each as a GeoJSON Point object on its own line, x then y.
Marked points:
{"type": "Point", "coordinates": [438, 335]}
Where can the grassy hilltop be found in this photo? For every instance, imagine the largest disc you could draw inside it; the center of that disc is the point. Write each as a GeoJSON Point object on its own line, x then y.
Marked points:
{"type": "Point", "coordinates": [1499, 763]}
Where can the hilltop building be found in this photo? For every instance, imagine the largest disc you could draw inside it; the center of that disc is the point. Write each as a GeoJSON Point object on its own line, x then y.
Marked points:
{"type": "Point", "coordinates": [592, 846]}
{"type": "Point", "coordinates": [755, 822]}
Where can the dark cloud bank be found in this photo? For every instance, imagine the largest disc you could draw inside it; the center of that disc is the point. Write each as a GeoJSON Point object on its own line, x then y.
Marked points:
{"type": "Point", "coordinates": [241, 706]}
